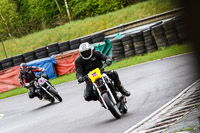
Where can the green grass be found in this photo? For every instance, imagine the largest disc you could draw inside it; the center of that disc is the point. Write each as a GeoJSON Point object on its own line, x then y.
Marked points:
{"type": "Point", "coordinates": [191, 129]}
{"type": "Point", "coordinates": [160, 54]}
{"type": "Point", "coordinates": [87, 26]}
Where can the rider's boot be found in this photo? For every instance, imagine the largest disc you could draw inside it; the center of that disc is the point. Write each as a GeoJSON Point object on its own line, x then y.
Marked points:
{"type": "Point", "coordinates": [123, 91]}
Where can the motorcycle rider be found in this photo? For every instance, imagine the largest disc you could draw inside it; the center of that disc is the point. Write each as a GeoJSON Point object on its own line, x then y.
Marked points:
{"type": "Point", "coordinates": [27, 75]}
{"type": "Point", "coordinates": [90, 59]}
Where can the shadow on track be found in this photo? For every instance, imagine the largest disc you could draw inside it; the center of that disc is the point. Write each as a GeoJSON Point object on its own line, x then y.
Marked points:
{"type": "Point", "coordinates": [45, 106]}
{"type": "Point", "coordinates": [123, 117]}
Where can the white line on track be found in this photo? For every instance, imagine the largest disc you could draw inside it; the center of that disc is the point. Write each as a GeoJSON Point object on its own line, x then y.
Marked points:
{"type": "Point", "coordinates": [160, 109]}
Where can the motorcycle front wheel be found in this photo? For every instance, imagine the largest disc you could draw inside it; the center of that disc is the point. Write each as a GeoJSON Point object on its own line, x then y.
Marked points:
{"type": "Point", "coordinates": [55, 94]}
{"type": "Point", "coordinates": [113, 108]}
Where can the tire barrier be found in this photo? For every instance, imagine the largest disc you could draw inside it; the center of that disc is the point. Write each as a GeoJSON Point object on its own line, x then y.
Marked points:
{"type": "Point", "coordinates": [18, 59]}
{"type": "Point", "coordinates": [180, 27]}
{"type": "Point", "coordinates": [1, 66]}
{"type": "Point", "coordinates": [41, 52]}
{"type": "Point", "coordinates": [160, 34]}
{"type": "Point", "coordinates": [98, 37]}
{"type": "Point", "coordinates": [64, 46]}
{"type": "Point", "coordinates": [170, 32]}
{"type": "Point", "coordinates": [127, 42]}
{"type": "Point", "coordinates": [138, 42]}
{"type": "Point", "coordinates": [29, 56]}
{"type": "Point", "coordinates": [150, 43]}
{"type": "Point", "coordinates": [53, 49]}
{"type": "Point", "coordinates": [74, 44]}
{"type": "Point", "coordinates": [117, 49]}
{"type": "Point", "coordinates": [87, 39]}
{"type": "Point", "coordinates": [7, 63]}
{"type": "Point", "coordinates": [49, 50]}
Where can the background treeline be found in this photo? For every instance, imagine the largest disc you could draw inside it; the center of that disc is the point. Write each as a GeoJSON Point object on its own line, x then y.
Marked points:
{"type": "Point", "coordinates": [21, 17]}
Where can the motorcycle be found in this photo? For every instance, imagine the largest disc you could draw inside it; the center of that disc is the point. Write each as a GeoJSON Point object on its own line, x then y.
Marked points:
{"type": "Point", "coordinates": [109, 96]}
{"type": "Point", "coordinates": [45, 89]}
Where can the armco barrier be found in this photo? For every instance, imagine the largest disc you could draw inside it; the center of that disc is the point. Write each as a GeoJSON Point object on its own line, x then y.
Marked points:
{"type": "Point", "coordinates": [9, 79]}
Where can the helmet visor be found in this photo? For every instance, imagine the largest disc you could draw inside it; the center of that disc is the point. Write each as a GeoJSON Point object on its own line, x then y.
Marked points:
{"type": "Point", "coordinates": [86, 53]}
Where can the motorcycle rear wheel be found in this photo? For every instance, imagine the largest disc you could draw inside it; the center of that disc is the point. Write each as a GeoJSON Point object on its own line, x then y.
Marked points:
{"type": "Point", "coordinates": [113, 108]}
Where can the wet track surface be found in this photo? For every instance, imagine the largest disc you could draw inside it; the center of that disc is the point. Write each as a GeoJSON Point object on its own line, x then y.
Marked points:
{"type": "Point", "coordinates": [152, 85]}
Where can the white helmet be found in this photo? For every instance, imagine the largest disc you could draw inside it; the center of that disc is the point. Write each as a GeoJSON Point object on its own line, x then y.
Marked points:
{"type": "Point", "coordinates": [86, 50]}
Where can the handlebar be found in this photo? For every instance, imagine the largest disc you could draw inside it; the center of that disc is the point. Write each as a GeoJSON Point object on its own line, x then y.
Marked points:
{"type": "Point", "coordinates": [102, 68]}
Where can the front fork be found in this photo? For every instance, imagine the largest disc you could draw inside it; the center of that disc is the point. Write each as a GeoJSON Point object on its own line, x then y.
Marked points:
{"type": "Point", "coordinates": [100, 95]}
{"type": "Point", "coordinates": [46, 90]}
{"type": "Point", "coordinates": [109, 91]}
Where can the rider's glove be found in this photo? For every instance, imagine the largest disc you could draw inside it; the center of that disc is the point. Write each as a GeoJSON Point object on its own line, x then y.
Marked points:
{"type": "Point", "coordinates": [108, 61]}
{"type": "Point", "coordinates": [80, 79]}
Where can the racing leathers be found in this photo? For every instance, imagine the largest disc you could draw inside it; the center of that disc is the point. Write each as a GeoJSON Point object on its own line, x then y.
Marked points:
{"type": "Point", "coordinates": [25, 77]}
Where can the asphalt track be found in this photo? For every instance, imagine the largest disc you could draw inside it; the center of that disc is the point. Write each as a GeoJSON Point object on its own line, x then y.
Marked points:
{"type": "Point", "coordinates": [152, 85]}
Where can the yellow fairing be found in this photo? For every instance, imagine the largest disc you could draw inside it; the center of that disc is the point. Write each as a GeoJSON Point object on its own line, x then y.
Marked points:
{"type": "Point", "coordinates": [94, 74]}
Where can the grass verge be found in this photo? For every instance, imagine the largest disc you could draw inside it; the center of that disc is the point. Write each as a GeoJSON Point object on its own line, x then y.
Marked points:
{"type": "Point", "coordinates": [86, 26]}
{"type": "Point", "coordinates": [160, 54]}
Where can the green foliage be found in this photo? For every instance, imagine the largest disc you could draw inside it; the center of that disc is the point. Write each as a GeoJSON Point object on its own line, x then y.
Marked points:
{"type": "Point", "coordinates": [28, 16]}
{"type": "Point", "coordinates": [8, 17]}
{"type": "Point", "coordinates": [88, 8]}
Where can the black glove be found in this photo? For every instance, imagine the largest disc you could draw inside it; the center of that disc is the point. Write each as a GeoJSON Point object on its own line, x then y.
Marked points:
{"type": "Point", "coordinates": [80, 79]}
{"type": "Point", "coordinates": [109, 61]}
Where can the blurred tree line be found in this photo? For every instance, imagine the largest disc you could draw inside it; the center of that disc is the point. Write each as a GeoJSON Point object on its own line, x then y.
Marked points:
{"type": "Point", "coordinates": [21, 17]}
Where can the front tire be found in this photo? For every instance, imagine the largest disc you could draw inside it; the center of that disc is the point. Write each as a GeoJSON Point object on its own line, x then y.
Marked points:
{"type": "Point", "coordinates": [113, 108]}
{"type": "Point", "coordinates": [55, 94]}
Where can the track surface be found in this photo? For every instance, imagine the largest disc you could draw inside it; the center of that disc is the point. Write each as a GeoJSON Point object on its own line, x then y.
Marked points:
{"type": "Point", "coordinates": [152, 85]}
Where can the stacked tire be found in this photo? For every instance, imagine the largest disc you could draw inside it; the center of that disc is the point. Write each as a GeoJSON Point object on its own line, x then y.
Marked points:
{"type": "Point", "coordinates": [18, 59]}
{"type": "Point", "coordinates": [170, 32]}
{"type": "Point", "coordinates": [127, 42]}
{"type": "Point", "coordinates": [53, 49]}
{"type": "Point", "coordinates": [98, 37]}
{"type": "Point", "coordinates": [63, 46]}
{"type": "Point", "coordinates": [138, 42]}
{"type": "Point", "coordinates": [117, 49]}
{"type": "Point", "coordinates": [180, 27]}
{"type": "Point", "coordinates": [87, 39]}
{"type": "Point", "coordinates": [149, 41]}
{"type": "Point", "coordinates": [159, 35]}
{"type": "Point", "coordinates": [74, 44]}
{"type": "Point", "coordinates": [41, 52]}
{"type": "Point", "coordinates": [1, 66]}
{"type": "Point", "coordinates": [7, 63]}
{"type": "Point", "coordinates": [29, 56]}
